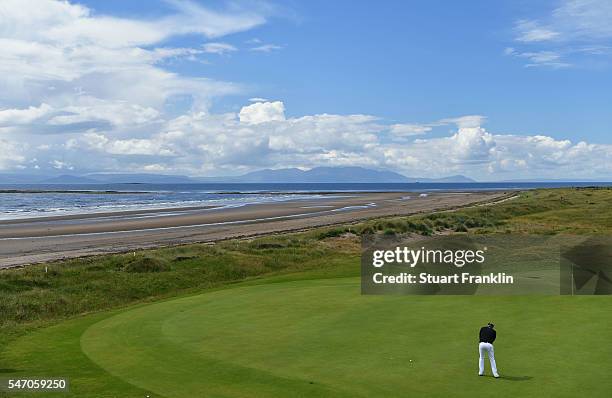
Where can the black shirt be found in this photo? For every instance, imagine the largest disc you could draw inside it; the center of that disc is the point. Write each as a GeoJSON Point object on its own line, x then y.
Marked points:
{"type": "Point", "coordinates": [487, 335]}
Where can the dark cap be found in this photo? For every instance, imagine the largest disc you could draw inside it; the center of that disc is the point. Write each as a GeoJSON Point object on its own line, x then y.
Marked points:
{"type": "Point", "coordinates": [491, 325]}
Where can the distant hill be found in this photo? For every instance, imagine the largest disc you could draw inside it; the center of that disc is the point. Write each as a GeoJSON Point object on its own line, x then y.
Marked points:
{"type": "Point", "coordinates": [68, 179]}
{"type": "Point", "coordinates": [289, 175]}
{"type": "Point", "coordinates": [319, 175]}
{"type": "Point", "coordinates": [328, 175]}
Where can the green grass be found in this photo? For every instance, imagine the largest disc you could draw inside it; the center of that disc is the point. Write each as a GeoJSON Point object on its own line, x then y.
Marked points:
{"type": "Point", "coordinates": [282, 316]}
{"type": "Point", "coordinates": [318, 337]}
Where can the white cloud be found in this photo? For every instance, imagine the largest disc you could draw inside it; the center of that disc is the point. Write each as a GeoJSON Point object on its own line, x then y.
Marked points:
{"type": "Point", "coordinates": [131, 146]}
{"type": "Point", "coordinates": [64, 54]}
{"type": "Point", "coordinates": [574, 32]}
{"type": "Point", "coordinates": [102, 76]}
{"type": "Point", "coordinates": [219, 48]}
{"type": "Point", "coordinates": [530, 31]}
{"type": "Point", "coordinates": [193, 18]}
{"type": "Point", "coordinates": [586, 19]}
{"type": "Point", "coordinates": [539, 58]}
{"type": "Point", "coordinates": [409, 129]}
{"type": "Point", "coordinates": [118, 113]}
{"type": "Point", "coordinates": [468, 121]}
{"type": "Point", "coordinates": [11, 154]}
{"type": "Point", "coordinates": [261, 112]}
{"type": "Point", "coordinates": [266, 48]}
{"type": "Point", "coordinates": [573, 19]}
{"type": "Point", "coordinates": [61, 165]}
{"type": "Point", "coordinates": [201, 143]}
{"type": "Point", "coordinates": [12, 117]}
{"type": "Point", "coordinates": [406, 130]}
{"type": "Point", "coordinates": [72, 24]}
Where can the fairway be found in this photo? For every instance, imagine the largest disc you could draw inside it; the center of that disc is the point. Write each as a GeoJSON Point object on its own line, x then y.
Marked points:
{"type": "Point", "coordinates": [320, 337]}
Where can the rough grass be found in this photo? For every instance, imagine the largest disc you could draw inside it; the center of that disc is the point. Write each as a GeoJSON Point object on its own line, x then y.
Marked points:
{"type": "Point", "coordinates": [549, 211]}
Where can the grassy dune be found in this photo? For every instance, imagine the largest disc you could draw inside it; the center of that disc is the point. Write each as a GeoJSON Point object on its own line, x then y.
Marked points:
{"type": "Point", "coordinates": [283, 313]}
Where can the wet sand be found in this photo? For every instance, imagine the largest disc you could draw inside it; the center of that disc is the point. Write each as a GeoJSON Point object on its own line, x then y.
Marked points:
{"type": "Point", "coordinates": [27, 241]}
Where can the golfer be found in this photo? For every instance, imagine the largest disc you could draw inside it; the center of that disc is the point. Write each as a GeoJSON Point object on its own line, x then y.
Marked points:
{"type": "Point", "coordinates": [487, 337]}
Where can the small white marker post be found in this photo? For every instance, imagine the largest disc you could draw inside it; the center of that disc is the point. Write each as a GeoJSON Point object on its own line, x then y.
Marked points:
{"type": "Point", "coordinates": [572, 280]}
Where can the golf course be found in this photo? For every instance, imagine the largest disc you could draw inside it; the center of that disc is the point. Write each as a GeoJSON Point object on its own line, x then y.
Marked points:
{"type": "Point", "coordinates": [283, 316]}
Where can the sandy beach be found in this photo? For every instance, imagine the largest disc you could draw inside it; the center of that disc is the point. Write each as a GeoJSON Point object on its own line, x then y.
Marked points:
{"type": "Point", "coordinates": [26, 241]}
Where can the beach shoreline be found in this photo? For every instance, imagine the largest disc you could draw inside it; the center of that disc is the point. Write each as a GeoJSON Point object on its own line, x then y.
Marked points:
{"type": "Point", "coordinates": [27, 241]}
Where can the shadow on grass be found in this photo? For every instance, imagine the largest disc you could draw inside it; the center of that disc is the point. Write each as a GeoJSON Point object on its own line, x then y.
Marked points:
{"type": "Point", "coordinates": [7, 370]}
{"type": "Point", "coordinates": [516, 378]}
{"type": "Point", "coordinates": [511, 378]}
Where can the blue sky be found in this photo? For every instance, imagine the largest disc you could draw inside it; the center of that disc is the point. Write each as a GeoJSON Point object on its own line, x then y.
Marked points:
{"type": "Point", "coordinates": [408, 60]}
{"type": "Point", "coordinates": [494, 90]}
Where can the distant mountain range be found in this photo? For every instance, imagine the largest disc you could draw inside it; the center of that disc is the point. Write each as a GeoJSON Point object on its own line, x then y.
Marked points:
{"type": "Point", "coordinates": [329, 175]}
{"type": "Point", "coordinates": [293, 175]}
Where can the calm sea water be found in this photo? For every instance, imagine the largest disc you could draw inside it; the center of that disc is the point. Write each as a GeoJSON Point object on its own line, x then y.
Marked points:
{"type": "Point", "coordinates": [157, 196]}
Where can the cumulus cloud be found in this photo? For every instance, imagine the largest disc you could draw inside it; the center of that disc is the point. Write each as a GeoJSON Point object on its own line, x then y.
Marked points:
{"type": "Point", "coordinates": [90, 66]}
{"type": "Point", "coordinates": [202, 143]}
{"type": "Point", "coordinates": [261, 112]}
{"type": "Point", "coordinates": [117, 113]}
{"type": "Point", "coordinates": [410, 129]}
{"type": "Point", "coordinates": [13, 117]}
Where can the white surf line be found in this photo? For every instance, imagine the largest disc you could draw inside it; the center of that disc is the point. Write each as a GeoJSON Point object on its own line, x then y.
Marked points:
{"type": "Point", "coordinates": [190, 226]}
{"type": "Point", "coordinates": [116, 212]}
{"type": "Point", "coordinates": [176, 212]}
{"type": "Point", "coordinates": [366, 206]}
{"type": "Point", "coordinates": [402, 199]}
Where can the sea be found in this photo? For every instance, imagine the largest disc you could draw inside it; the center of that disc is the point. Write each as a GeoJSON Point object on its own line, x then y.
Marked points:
{"type": "Point", "coordinates": [41, 200]}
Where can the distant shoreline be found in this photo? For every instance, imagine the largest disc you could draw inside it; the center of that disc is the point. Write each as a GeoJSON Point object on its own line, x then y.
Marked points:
{"type": "Point", "coordinates": [82, 191]}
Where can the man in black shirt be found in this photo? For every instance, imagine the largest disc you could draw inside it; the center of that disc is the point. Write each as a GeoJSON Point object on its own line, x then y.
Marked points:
{"type": "Point", "coordinates": [486, 338]}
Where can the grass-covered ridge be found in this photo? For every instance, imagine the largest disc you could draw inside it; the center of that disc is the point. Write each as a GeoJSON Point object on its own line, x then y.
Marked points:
{"type": "Point", "coordinates": [551, 211]}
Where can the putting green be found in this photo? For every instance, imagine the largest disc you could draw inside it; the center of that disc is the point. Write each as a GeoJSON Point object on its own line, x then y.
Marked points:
{"type": "Point", "coordinates": [322, 338]}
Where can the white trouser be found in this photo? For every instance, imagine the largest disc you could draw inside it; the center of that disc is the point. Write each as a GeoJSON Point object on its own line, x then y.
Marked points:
{"type": "Point", "coordinates": [488, 349]}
